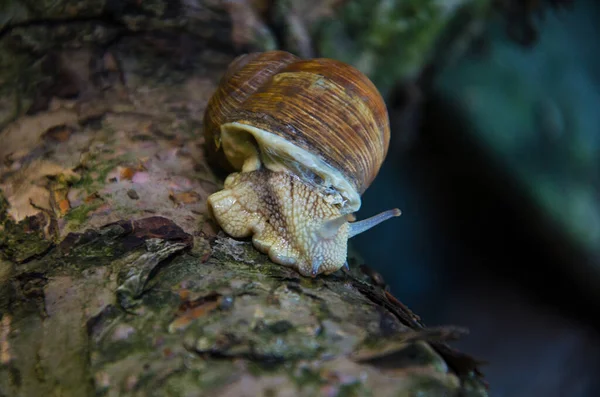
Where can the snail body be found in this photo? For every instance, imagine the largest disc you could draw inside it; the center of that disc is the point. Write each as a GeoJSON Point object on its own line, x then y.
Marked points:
{"type": "Point", "coordinates": [305, 139]}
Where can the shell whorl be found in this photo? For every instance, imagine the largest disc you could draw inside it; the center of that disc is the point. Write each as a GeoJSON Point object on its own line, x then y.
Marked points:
{"type": "Point", "coordinates": [243, 77]}
{"type": "Point", "coordinates": [321, 107]}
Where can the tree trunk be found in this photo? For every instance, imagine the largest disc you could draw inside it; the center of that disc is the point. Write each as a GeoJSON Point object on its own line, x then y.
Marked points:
{"type": "Point", "coordinates": [113, 279]}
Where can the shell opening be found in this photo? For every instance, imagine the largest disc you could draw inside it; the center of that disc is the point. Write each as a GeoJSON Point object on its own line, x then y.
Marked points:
{"type": "Point", "coordinates": [248, 148]}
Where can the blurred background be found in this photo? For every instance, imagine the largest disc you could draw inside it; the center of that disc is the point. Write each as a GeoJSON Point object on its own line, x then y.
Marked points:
{"type": "Point", "coordinates": [494, 162]}
{"type": "Point", "coordinates": [494, 158]}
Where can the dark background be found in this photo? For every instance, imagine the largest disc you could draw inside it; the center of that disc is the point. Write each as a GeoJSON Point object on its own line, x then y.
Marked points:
{"type": "Point", "coordinates": [473, 247]}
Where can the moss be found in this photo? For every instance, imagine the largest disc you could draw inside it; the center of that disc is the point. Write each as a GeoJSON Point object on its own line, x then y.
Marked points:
{"type": "Point", "coordinates": [23, 240]}
{"type": "Point", "coordinates": [20, 76]}
{"type": "Point", "coordinates": [353, 389]}
{"type": "Point", "coordinates": [270, 393]}
{"type": "Point", "coordinates": [307, 377]}
{"type": "Point", "coordinates": [390, 41]}
{"type": "Point", "coordinates": [13, 12]}
{"type": "Point", "coordinates": [290, 346]}
{"type": "Point", "coordinates": [427, 386]}
{"type": "Point", "coordinates": [78, 215]}
{"type": "Point", "coordinates": [90, 250]}
{"type": "Point", "coordinates": [48, 9]}
{"type": "Point", "coordinates": [105, 168]}
{"type": "Point", "coordinates": [122, 348]}
{"type": "Point", "coordinates": [93, 177]}
{"type": "Point", "coordinates": [259, 369]}
{"type": "Point", "coordinates": [3, 209]}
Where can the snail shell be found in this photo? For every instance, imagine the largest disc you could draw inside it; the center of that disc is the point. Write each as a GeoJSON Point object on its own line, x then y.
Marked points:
{"type": "Point", "coordinates": [309, 137]}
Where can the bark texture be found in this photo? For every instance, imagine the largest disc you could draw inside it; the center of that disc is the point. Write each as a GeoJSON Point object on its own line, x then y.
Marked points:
{"type": "Point", "coordinates": [113, 281]}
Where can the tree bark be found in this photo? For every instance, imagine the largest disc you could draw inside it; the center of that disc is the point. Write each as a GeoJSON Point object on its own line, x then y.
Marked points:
{"type": "Point", "coordinates": [113, 280]}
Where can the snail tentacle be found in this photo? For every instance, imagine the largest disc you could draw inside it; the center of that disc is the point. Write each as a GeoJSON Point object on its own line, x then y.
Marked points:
{"type": "Point", "coordinates": [366, 224]}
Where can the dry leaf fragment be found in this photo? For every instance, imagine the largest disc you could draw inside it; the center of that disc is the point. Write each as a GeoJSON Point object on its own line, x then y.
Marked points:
{"type": "Point", "coordinates": [192, 308]}
{"type": "Point", "coordinates": [27, 190]}
{"type": "Point", "coordinates": [127, 173]}
{"type": "Point", "coordinates": [60, 133]}
{"type": "Point", "coordinates": [189, 197]}
{"type": "Point", "coordinates": [25, 134]}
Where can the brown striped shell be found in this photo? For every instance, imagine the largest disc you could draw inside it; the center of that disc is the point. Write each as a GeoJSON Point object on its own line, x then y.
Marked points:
{"type": "Point", "coordinates": [244, 76]}
{"type": "Point", "coordinates": [319, 118]}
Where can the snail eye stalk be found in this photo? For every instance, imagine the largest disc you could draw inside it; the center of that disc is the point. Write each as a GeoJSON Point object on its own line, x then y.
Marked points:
{"type": "Point", "coordinates": [366, 224]}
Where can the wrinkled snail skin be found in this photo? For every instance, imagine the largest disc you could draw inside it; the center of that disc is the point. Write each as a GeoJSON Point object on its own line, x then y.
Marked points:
{"type": "Point", "coordinates": [305, 138]}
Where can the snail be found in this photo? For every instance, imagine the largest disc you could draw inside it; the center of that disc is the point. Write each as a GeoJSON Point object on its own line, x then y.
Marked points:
{"type": "Point", "coordinates": [304, 139]}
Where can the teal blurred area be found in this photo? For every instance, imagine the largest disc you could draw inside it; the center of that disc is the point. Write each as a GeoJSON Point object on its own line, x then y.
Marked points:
{"type": "Point", "coordinates": [535, 112]}
{"type": "Point", "coordinates": [499, 185]}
